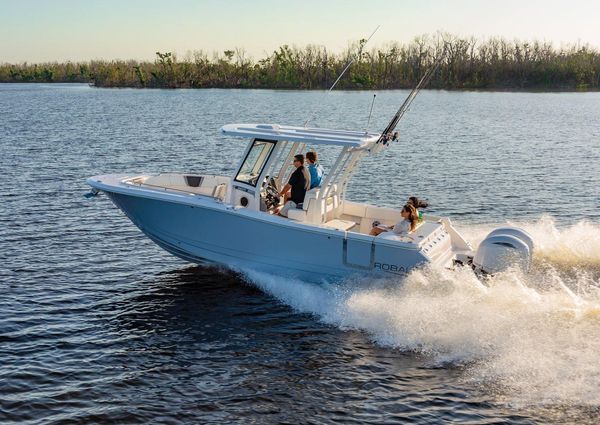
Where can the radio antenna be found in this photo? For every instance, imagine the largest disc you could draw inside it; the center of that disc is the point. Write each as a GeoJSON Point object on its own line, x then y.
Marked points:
{"type": "Point", "coordinates": [361, 46]}
{"type": "Point", "coordinates": [370, 113]}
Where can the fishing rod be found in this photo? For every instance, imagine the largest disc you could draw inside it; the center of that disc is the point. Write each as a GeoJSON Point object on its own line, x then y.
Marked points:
{"type": "Point", "coordinates": [360, 49]}
{"type": "Point", "coordinates": [389, 134]}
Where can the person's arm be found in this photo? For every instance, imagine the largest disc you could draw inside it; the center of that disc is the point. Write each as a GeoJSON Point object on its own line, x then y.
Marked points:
{"type": "Point", "coordinates": [293, 180]}
{"type": "Point", "coordinates": [285, 189]}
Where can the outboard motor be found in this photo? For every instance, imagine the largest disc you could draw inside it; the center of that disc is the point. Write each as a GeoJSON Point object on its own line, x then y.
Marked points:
{"type": "Point", "coordinates": [502, 248]}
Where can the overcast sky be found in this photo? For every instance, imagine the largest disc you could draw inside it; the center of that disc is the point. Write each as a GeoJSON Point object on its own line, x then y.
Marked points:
{"type": "Point", "coordinates": [59, 30]}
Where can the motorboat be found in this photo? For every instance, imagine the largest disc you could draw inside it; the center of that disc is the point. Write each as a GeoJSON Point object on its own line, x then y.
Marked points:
{"type": "Point", "coordinates": [230, 220]}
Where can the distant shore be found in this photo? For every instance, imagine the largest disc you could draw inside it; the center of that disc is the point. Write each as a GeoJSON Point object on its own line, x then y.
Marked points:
{"type": "Point", "coordinates": [466, 90]}
{"type": "Point", "coordinates": [469, 64]}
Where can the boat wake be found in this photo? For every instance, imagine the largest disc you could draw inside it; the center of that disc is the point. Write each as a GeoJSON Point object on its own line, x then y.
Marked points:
{"type": "Point", "coordinates": [531, 339]}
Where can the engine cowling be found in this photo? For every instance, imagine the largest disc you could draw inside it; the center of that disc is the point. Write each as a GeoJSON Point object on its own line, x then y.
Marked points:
{"type": "Point", "coordinates": [503, 248]}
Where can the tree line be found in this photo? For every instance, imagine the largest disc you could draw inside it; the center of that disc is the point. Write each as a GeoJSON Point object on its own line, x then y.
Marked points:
{"type": "Point", "coordinates": [466, 63]}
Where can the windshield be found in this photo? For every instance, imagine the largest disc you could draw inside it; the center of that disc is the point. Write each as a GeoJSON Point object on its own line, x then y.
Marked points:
{"type": "Point", "coordinates": [254, 162]}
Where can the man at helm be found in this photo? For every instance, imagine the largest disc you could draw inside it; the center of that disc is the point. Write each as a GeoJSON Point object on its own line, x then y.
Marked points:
{"type": "Point", "coordinates": [298, 184]}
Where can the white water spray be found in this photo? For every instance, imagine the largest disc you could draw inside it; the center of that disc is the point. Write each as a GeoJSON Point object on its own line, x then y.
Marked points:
{"type": "Point", "coordinates": [532, 339]}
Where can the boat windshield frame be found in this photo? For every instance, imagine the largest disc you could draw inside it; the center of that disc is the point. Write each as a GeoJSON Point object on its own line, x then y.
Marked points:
{"type": "Point", "coordinates": [261, 161]}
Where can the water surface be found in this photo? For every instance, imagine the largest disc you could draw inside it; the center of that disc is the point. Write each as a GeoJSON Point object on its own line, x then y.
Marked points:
{"type": "Point", "coordinates": [98, 325]}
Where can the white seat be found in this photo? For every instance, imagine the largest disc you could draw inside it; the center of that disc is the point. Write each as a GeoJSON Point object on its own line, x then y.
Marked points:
{"type": "Point", "coordinates": [314, 192]}
{"type": "Point", "coordinates": [338, 224]}
{"type": "Point", "coordinates": [297, 214]}
{"type": "Point", "coordinates": [315, 210]}
{"type": "Point", "coordinates": [383, 214]}
{"type": "Point", "coordinates": [310, 196]}
{"type": "Point", "coordinates": [354, 209]}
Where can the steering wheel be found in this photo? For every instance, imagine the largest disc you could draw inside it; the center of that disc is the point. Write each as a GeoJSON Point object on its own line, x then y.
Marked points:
{"type": "Point", "coordinates": [272, 197]}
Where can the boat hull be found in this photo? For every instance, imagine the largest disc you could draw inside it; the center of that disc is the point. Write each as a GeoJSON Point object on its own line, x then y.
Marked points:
{"type": "Point", "coordinates": [242, 240]}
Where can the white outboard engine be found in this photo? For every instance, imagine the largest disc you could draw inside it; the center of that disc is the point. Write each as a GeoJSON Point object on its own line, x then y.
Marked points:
{"type": "Point", "coordinates": [502, 248]}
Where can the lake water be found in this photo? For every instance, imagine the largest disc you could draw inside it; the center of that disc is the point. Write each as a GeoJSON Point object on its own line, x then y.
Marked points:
{"type": "Point", "coordinates": [99, 325]}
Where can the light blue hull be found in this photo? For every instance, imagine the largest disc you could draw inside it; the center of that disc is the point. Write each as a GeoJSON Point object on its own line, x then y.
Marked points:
{"type": "Point", "coordinates": [242, 239]}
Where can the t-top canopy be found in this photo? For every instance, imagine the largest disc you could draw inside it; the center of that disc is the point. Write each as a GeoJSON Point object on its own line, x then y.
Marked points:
{"type": "Point", "coordinates": [318, 136]}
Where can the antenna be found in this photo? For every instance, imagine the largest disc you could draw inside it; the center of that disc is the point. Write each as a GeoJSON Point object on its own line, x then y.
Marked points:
{"type": "Point", "coordinates": [360, 48]}
{"type": "Point", "coordinates": [370, 112]}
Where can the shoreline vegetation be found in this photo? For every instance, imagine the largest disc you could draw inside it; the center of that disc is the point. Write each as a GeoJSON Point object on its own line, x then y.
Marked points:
{"type": "Point", "coordinates": [469, 64]}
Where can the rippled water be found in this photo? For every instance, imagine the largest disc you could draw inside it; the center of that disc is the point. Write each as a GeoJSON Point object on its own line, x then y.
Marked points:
{"type": "Point", "coordinates": [99, 325]}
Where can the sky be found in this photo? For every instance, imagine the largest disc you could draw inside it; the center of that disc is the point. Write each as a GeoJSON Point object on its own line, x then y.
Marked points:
{"type": "Point", "coordinates": [61, 30]}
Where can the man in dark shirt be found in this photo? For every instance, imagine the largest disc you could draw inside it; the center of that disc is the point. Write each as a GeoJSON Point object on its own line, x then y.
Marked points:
{"type": "Point", "coordinates": [299, 183]}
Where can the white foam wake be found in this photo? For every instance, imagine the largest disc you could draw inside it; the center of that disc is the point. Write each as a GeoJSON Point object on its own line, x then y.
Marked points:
{"type": "Point", "coordinates": [535, 338]}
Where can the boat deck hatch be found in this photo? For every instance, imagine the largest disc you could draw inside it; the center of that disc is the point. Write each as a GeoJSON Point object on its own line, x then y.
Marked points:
{"type": "Point", "coordinates": [193, 181]}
